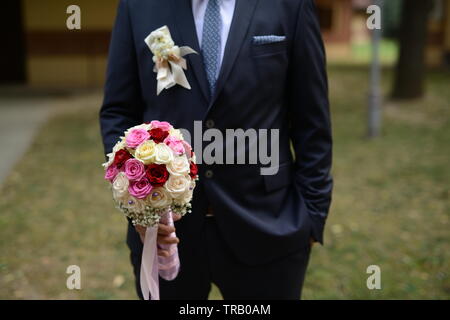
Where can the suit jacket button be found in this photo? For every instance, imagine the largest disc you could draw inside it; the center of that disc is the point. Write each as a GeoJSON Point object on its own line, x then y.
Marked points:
{"type": "Point", "coordinates": [208, 173]}
{"type": "Point", "coordinates": [209, 123]}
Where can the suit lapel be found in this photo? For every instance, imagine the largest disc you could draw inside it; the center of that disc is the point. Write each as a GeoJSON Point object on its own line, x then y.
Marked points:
{"type": "Point", "coordinates": [186, 27]}
{"type": "Point", "coordinates": [241, 21]}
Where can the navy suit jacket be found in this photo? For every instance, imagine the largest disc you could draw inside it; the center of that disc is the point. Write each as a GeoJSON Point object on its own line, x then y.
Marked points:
{"type": "Point", "coordinates": [280, 85]}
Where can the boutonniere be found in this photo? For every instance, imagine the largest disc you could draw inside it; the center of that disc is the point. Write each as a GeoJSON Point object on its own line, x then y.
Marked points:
{"type": "Point", "coordinates": [168, 59]}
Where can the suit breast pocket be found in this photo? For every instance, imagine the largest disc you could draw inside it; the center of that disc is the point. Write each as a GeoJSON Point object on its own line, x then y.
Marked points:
{"type": "Point", "coordinates": [268, 49]}
{"type": "Point", "coordinates": [269, 64]}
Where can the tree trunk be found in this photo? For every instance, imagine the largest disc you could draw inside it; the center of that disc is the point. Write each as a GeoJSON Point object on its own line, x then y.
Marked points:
{"type": "Point", "coordinates": [410, 73]}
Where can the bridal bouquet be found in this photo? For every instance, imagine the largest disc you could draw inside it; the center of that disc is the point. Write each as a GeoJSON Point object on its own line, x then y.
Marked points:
{"type": "Point", "coordinates": [152, 173]}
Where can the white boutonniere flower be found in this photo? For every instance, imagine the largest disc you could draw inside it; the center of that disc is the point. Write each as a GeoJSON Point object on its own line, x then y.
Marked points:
{"type": "Point", "coordinates": [168, 59]}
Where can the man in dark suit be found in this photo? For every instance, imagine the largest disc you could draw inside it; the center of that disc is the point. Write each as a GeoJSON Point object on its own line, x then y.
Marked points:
{"type": "Point", "coordinates": [261, 65]}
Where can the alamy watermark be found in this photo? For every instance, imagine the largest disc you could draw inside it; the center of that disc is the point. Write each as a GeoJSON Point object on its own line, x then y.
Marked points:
{"type": "Point", "coordinates": [236, 146]}
{"type": "Point", "coordinates": [374, 280]}
{"type": "Point", "coordinates": [73, 22]}
{"type": "Point", "coordinates": [74, 279]}
{"type": "Point", "coordinates": [374, 20]}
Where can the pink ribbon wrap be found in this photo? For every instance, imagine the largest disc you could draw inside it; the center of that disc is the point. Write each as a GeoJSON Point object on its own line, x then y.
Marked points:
{"type": "Point", "coordinates": [152, 265]}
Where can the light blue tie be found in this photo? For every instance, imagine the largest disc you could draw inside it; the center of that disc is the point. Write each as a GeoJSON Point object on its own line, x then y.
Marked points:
{"type": "Point", "coordinates": [211, 43]}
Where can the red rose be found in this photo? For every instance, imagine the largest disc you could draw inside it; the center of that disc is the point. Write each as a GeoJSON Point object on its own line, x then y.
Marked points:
{"type": "Point", "coordinates": [157, 174]}
{"type": "Point", "coordinates": [193, 170]}
{"type": "Point", "coordinates": [121, 157]}
{"type": "Point", "coordinates": [158, 135]}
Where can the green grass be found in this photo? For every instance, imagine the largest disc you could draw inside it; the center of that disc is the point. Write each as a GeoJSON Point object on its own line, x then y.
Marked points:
{"type": "Point", "coordinates": [390, 207]}
{"type": "Point", "coordinates": [362, 52]}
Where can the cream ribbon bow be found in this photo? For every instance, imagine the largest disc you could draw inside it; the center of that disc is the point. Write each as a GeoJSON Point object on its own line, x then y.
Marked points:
{"type": "Point", "coordinates": [168, 59]}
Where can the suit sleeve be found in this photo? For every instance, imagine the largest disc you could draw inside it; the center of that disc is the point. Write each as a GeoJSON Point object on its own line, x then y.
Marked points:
{"type": "Point", "coordinates": [122, 104]}
{"type": "Point", "coordinates": [310, 127]}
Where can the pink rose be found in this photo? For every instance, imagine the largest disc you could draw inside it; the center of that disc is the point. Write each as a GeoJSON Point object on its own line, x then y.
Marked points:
{"type": "Point", "coordinates": [111, 173]}
{"type": "Point", "coordinates": [187, 149]}
{"type": "Point", "coordinates": [140, 189]}
{"type": "Point", "coordinates": [175, 144]}
{"type": "Point", "coordinates": [134, 169]}
{"type": "Point", "coordinates": [135, 137]}
{"type": "Point", "coordinates": [165, 126]}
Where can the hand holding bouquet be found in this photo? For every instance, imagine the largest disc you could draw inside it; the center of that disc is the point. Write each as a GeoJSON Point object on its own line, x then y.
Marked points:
{"type": "Point", "coordinates": [152, 172]}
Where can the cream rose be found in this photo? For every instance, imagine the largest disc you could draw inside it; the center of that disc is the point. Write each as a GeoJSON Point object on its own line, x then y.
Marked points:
{"type": "Point", "coordinates": [120, 186]}
{"type": "Point", "coordinates": [146, 152]}
{"type": "Point", "coordinates": [179, 166]}
{"type": "Point", "coordinates": [186, 196]}
{"type": "Point", "coordinates": [133, 204]}
{"type": "Point", "coordinates": [159, 198]}
{"type": "Point", "coordinates": [163, 154]}
{"type": "Point", "coordinates": [177, 185]}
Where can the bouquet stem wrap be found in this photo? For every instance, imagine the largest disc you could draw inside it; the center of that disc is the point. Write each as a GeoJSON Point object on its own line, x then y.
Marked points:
{"type": "Point", "coordinates": [169, 266]}
{"type": "Point", "coordinates": [153, 265]}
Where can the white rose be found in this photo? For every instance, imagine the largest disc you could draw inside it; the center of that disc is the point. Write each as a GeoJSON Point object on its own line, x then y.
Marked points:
{"type": "Point", "coordinates": [177, 185]}
{"type": "Point", "coordinates": [179, 166]}
{"type": "Point", "coordinates": [110, 160]}
{"type": "Point", "coordinates": [112, 154]}
{"type": "Point", "coordinates": [119, 145]}
{"type": "Point", "coordinates": [176, 133]}
{"type": "Point", "coordinates": [163, 154]}
{"type": "Point", "coordinates": [120, 186]}
{"type": "Point", "coordinates": [159, 198]}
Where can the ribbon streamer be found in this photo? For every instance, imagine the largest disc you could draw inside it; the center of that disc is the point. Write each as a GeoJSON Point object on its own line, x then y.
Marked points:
{"type": "Point", "coordinates": [149, 265]}
{"type": "Point", "coordinates": [171, 72]}
{"type": "Point", "coordinates": [153, 265]}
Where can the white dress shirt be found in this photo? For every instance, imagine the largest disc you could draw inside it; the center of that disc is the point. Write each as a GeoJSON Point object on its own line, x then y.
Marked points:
{"type": "Point", "coordinates": [226, 13]}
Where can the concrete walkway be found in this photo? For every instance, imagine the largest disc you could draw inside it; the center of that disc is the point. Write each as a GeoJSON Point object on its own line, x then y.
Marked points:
{"type": "Point", "coordinates": [19, 121]}
{"type": "Point", "coordinates": [23, 112]}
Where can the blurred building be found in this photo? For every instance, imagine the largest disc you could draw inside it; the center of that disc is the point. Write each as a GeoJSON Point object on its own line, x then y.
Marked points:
{"type": "Point", "coordinates": [335, 17]}
{"type": "Point", "coordinates": [438, 51]}
{"type": "Point", "coordinates": [40, 51]}
{"type": "Point", "coordinates": [343, 23]}
{"type": "Point", "coordinates": [49, 54]}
